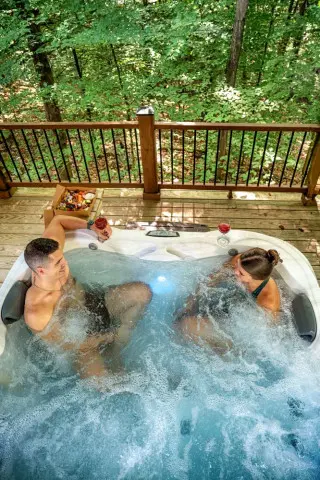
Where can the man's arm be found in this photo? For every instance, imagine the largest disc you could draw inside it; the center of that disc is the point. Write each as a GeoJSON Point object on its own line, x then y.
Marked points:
{"type": "Point", "coordinates": [227, 267]}
{"type": "Point", "coordinates": [60, 223]}
{"type": "Point", "coordinates": [191, 303]}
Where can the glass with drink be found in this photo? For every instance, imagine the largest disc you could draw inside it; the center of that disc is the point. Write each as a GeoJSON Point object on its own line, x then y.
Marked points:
{"type": "Point", "coordinates": [224, 228]}
{"type": "Point", "coordinates": [101, 224]}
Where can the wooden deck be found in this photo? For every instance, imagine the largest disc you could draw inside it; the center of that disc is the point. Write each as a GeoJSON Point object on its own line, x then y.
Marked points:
{"type": "Point", "coordinates": [279, 215]}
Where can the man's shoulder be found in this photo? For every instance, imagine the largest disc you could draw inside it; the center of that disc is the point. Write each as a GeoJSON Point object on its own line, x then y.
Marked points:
{"type": "Point", "coordinates": [37, 298]}
{"type": "Point", "coordinates": [38, 309]}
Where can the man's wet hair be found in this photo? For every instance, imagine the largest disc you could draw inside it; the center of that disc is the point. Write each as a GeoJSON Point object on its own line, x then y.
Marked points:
{"type": "Point", "coordinates": [37, 252]}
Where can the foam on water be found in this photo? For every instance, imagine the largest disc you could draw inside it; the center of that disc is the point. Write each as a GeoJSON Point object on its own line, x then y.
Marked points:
{"type": "Point", "coordinates": [177, 411]}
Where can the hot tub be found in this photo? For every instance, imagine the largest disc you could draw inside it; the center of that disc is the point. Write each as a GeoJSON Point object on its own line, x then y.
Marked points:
{"type": "Point", "coordinates": [295, 270]}
{"type": "Point", "coordinates": [176, 410]}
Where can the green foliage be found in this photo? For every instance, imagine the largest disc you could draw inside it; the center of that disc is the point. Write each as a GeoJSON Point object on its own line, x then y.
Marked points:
{"type": "Point", "coordinates": [172, 55]}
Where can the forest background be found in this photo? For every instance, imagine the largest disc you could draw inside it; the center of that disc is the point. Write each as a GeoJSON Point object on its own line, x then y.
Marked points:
{"type": "Point", "coordinates": [76, 60]}
{"type": "Point", "coordinates": [191, 60]}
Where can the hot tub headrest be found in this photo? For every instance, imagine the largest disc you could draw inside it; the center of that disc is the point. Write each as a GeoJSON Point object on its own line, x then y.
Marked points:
{"type": "Point", "coordinates": [304, 317]}
{"type": "Point", "coordinates": [13, 305]}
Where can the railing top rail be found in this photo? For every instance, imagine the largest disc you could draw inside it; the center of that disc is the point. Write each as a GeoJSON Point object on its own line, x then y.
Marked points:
{"type": "Point", "coordinates": [67, 125]}
{"type": "Point", "coordinates": [265, 127]}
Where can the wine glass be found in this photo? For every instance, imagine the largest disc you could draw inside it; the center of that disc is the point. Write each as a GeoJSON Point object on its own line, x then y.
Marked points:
{"type": "Point", "coordinates": [224, 227]}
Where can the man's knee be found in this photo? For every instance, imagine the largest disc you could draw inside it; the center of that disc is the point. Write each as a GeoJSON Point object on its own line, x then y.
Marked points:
{"type": "Point", "coordinates": [143, 293]}
{"type": "Point", "coordinates": [130, 293]}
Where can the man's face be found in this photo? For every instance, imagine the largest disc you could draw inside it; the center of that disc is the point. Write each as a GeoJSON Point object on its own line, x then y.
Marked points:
{"type": "Point", "coordinates": [56, 267]}
{"type": "Point", "coordinates": [242, 275]}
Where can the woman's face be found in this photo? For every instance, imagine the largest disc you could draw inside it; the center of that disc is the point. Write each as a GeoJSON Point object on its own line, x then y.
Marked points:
{"type": "Point", "coordinates": [241, 274]}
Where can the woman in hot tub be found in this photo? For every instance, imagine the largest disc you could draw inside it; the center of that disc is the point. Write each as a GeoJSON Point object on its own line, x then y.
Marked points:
{"type": "Point", "coordinates": [252, 269]}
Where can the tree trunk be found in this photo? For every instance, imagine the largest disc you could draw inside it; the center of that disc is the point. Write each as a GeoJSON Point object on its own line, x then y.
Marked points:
{"type": "Point", "coordinates": [46, 79]}
{"type": "Point", "coordinates": [232, 67]}
{"type": "Point", "coordinates": [266, 44]}
{"type": "Point", "coordinates": [286, 37]}
{"type": "Point", "coordinates": [45, 74]}
{"type": "Point", "coordinates": [300, 33]}
{"type": "Point", "coordinates": [236, 43]}
{"type": "Point", "coordinates": [126, 101]}
{"type": "Point", "coordinates": [79, 72]}
{"type": "Point", "coordinates": [44, 70]}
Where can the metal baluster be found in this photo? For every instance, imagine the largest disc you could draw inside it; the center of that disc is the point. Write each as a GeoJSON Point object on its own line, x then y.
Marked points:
{"type": "Point", "coordinates": [286, 159]}
{"type": "Point", "coordinates": [240, 157]}
{"type": "Point", "coordinates": [251, 158]}
{"type": "Point", "coordinates": [94, 155]}
{"type": "Point", "coordinates": [205, 158]}
{"type": "Point", "coordinates": [63, 159]}
{"type": "Point", "coordinates": [105, 154]}
{"type": "Point", "coordinates": [299, 155]}
{"type": "Point", "coordinates": [217, 158]}
{"type": "Point", "coordinates": [41, 154]}
{"type": "Point", "coordinates": [127, 158]}
{"type": "Point", "coordinates": [73, 155]}
{"type": "Point", "coordinates": [228, 160]}
{"type": "Point", "coordinates": [171, 152]}
{"type": "Point", "coordinates": [53, 159]}
{"type": "Point", "coordinates": [21, 156]}
{"type": "Point", "coordinates": [115, 153]}
{"type": "Point", "coordinates": [138, 157]}
{"type": "Point", "coordinates": [275, 158]}
{"type": "Point", "coordinates": [194, 156]}
{"type": "Point", "coordinates": [160, 147]}
{"type": "Point", "coordinates": [11, 157]}
{"type": "Point", "coordinates": [83, 154]}
{"type": "Point", "coordinates": [30, 153]}
{"type": "Point", "coordinates": [264, 152]}
{"type": "Point", "coordinates": [182, 157]}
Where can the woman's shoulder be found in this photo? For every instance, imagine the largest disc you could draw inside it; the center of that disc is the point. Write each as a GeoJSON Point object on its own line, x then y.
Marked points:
{"type": "Point", "coordinates": [273, 286]}
{"type": "Point", "coordinates": [270, 296]}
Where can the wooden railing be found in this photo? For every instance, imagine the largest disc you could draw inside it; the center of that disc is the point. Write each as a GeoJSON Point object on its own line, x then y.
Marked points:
{"type": "Point", "coordinates": [155, 155]}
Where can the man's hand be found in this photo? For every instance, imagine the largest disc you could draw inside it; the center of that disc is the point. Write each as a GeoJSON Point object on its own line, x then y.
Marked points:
{"type": "Point", "coordinates": [104, 234]}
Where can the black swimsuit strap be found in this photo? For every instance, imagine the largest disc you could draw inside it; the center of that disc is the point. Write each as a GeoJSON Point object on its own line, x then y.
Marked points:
{"type": "Point", "coordinates": [259, 289]}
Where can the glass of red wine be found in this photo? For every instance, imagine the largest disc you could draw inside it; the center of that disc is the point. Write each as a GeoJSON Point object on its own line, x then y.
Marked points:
{"type": "Point", "coordinates": [224, 228]}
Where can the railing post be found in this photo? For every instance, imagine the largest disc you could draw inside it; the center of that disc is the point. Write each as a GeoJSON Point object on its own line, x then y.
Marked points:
{"type": "Point", "coordinates": [148, 153]}
{"type": "Point", "coordinates": [314, 174]}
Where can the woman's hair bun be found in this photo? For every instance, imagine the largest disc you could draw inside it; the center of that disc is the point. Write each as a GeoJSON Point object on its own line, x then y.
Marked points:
{"type": "Point", "coordinates": [273, 257]}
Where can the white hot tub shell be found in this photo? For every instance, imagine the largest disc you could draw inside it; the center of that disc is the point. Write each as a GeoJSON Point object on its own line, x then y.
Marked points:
{"type": "Point", "coordinates": [295, 270]}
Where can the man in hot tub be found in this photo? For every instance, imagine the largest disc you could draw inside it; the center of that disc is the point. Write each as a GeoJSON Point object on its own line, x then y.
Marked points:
{"type": "Point", "coordinates": [55, 296]}
{"type": "Point", "coordinates": [252, 269]}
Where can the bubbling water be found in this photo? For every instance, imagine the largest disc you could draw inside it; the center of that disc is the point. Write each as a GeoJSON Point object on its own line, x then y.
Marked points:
{"type": "Point", "coordinates": [177, 410]}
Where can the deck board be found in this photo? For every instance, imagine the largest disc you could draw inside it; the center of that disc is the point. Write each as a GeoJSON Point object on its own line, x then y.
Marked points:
{"type": "Point", "coordinates": [279, 215]}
